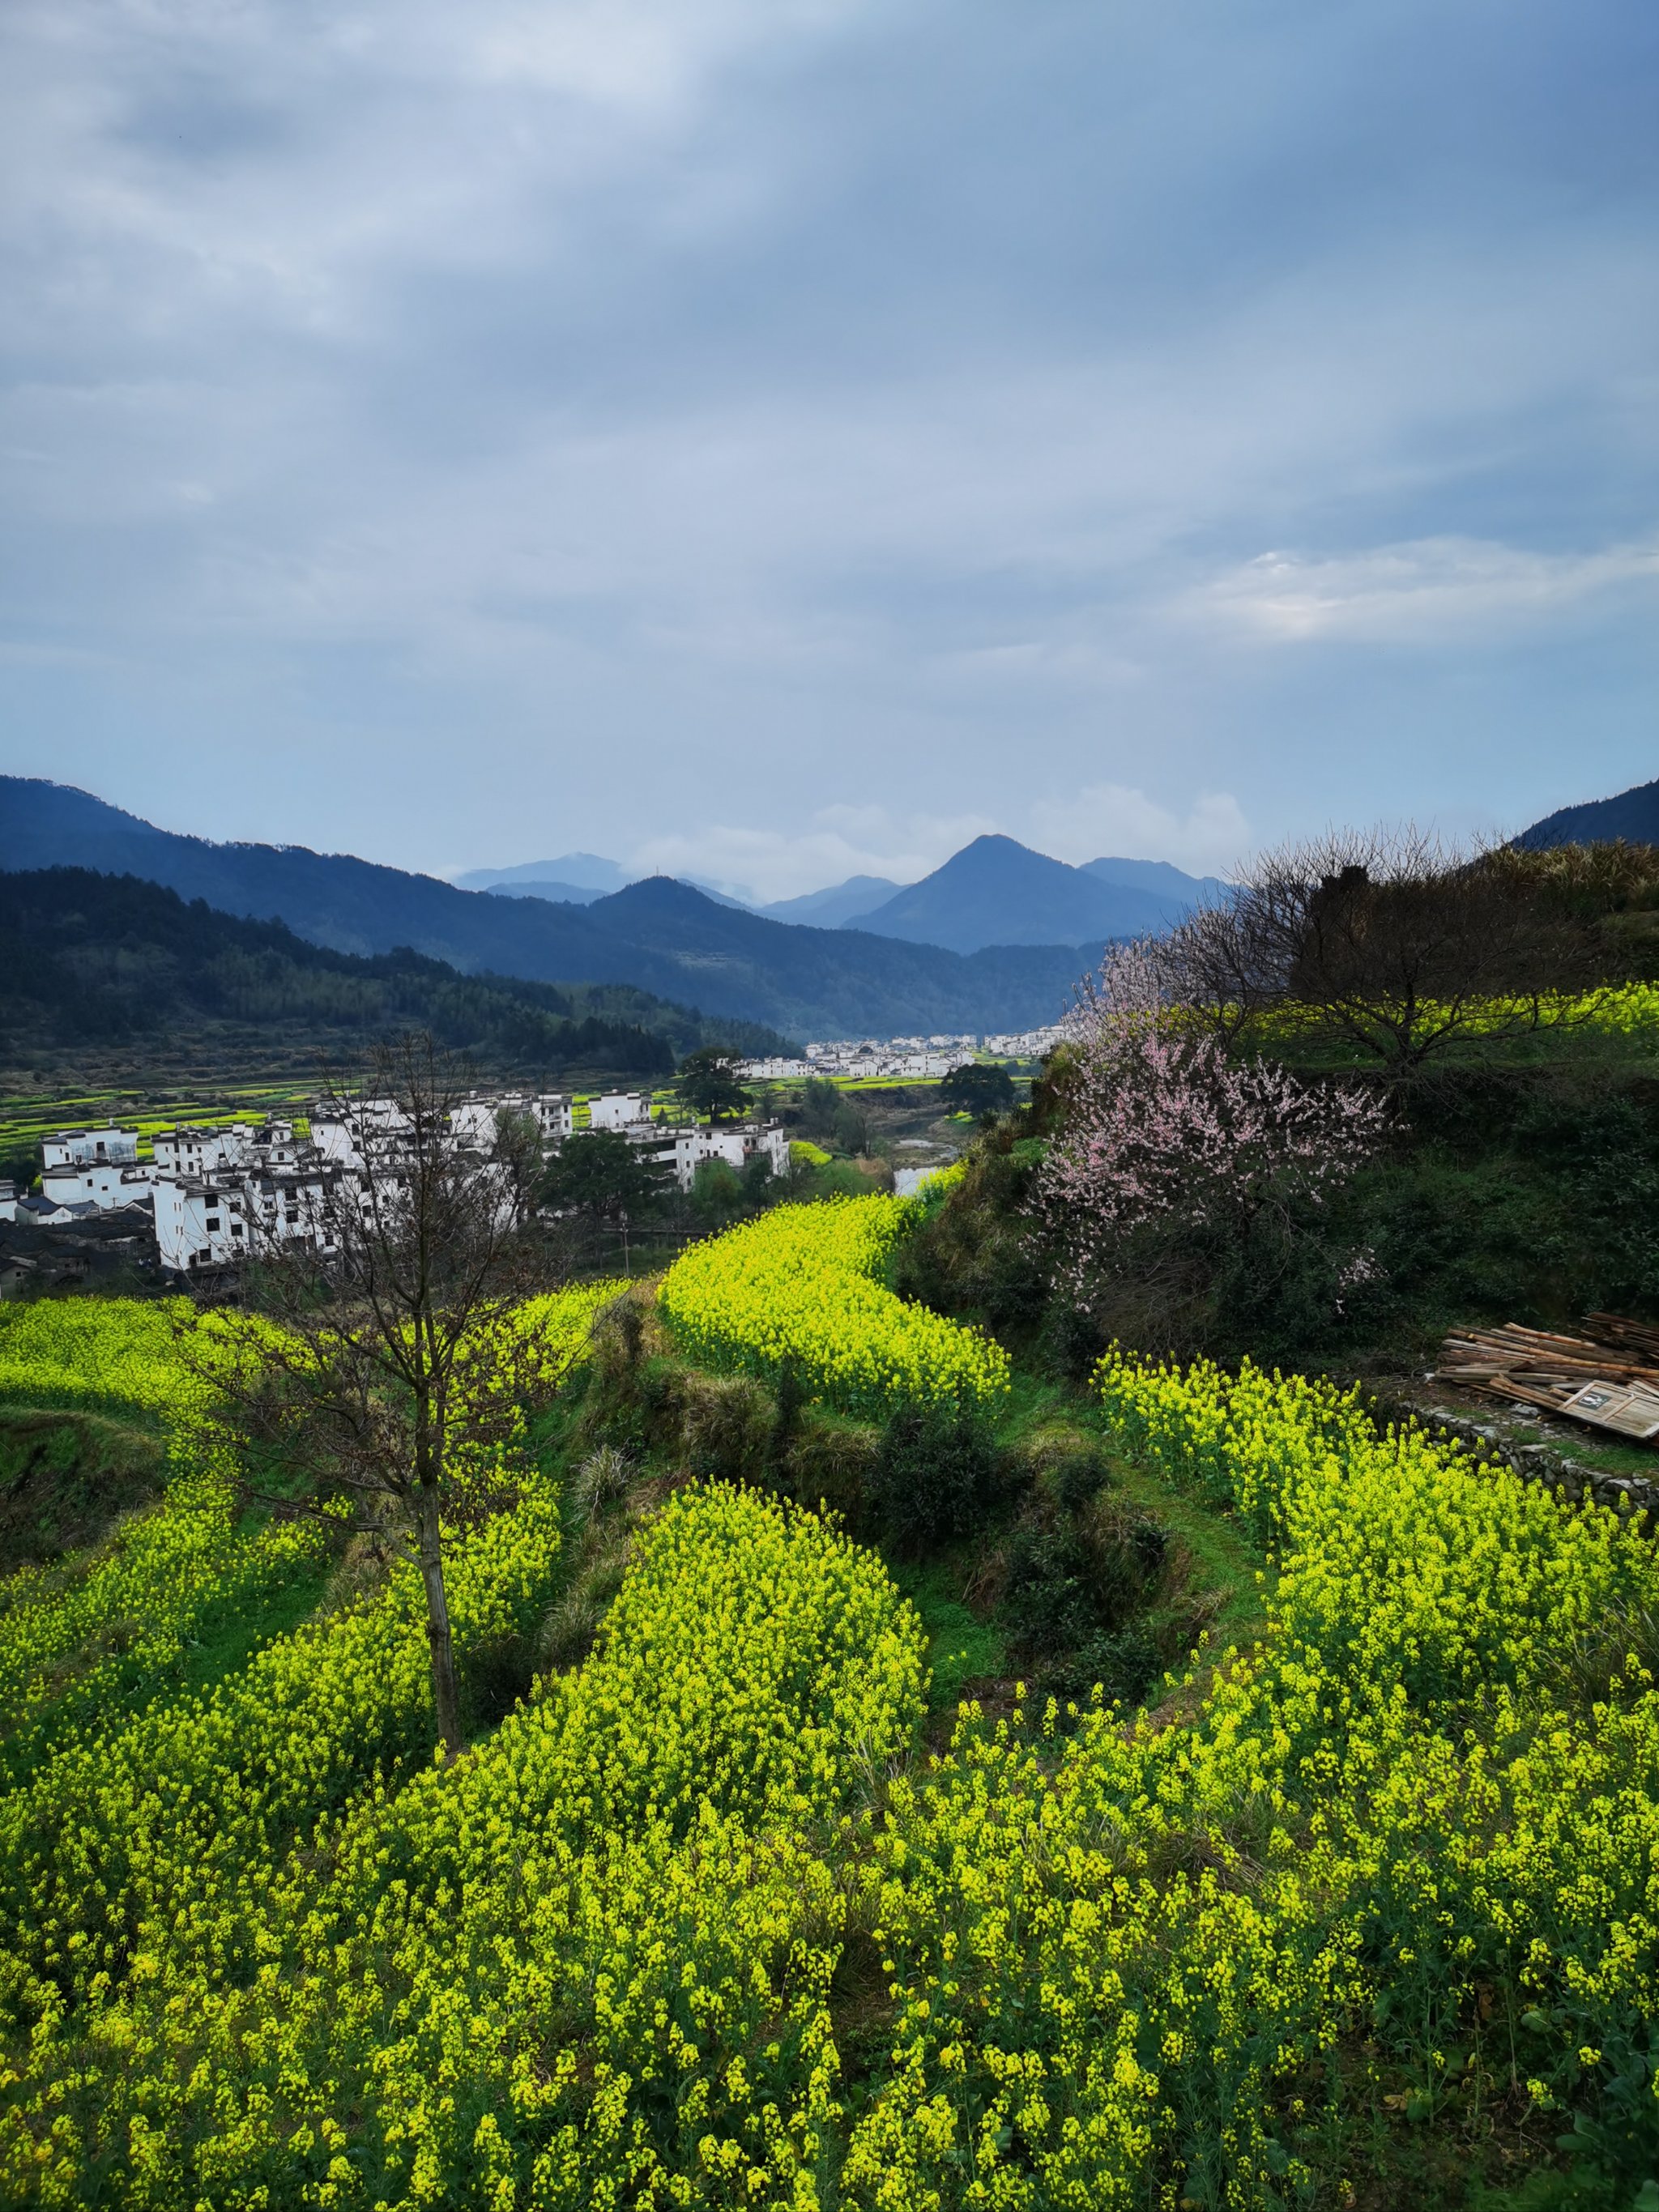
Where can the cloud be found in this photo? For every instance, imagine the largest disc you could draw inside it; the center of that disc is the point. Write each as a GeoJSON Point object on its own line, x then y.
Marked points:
{"type": "Point", "coordinates": [1113, 820]}
{"type": "Point", "coordinates": [1431, 591]}
{"type": "Point", "coordinates": [613, 414]}
{"type": "Point", "coordinates": [844, 841]}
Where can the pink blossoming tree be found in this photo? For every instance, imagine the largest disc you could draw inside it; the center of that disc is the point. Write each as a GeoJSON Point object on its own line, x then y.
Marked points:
{"type": "Point", "coordinates": [1174, 1158]}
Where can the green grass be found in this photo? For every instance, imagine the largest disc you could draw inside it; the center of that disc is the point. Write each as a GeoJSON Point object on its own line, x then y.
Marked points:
{"type": "Point", "coordinates": [228, 1636]}
{"type": "Point", "coordinates": [1228, 1563]}
{"type": "Point", "coordinates": [66, 1475]}
{"type": "Point", "coordinates": [962, 1649]}
{"type": "Point", "coordinates": [227, 1639]}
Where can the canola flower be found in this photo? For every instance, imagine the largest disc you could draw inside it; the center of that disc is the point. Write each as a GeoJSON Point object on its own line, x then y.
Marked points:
{"type": "Point", "coordinates": [603, 1959]}
{"type": "Point", "coordinates": [77, 1636]}
{"type": "Point", "coordinates": [799, 1286]}
{"type": "Point", "coordinates": [1626, 1008]}
{"type": "Point", "coordinates": [593, 1955]}
{"type": "Point", "coordinates": [1123, 1964]}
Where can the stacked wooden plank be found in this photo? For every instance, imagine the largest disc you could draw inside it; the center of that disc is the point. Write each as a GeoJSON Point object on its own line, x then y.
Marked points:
{"type": "Point", "coordinates": [1639, 1337]}
{"type": "Point", "coordinates": [1609, 1380]}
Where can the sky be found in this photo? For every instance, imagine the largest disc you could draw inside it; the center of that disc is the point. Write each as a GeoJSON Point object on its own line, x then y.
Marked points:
{"type": "Point", "coordinates": [770, 439]}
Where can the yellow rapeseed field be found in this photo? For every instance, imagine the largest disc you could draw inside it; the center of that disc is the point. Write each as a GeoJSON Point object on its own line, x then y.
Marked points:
{"type": "Point", "coordinates": [699, 1924]}
{"type": "Point", "coordinates": [801, 1287]}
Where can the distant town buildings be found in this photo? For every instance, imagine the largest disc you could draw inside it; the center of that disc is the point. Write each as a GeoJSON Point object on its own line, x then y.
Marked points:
{"type": "Point", "coordinates": [682, 1147]}
{"type": "Point", "coordinates": [920, 1057]}
{"type": "Point", "coordinates": [207, 1197]}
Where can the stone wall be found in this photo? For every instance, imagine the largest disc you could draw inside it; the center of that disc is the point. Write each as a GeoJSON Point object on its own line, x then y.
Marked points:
{"type": "Point", "coordinates": [1572, 1479]}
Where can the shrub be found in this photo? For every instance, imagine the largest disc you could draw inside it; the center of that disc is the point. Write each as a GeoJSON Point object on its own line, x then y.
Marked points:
{"type": "Point", "coordinates": [935, 1478]}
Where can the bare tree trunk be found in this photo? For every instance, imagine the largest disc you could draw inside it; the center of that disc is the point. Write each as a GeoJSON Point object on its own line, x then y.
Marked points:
{"type": "Point", "coordinates": [445, 1699]}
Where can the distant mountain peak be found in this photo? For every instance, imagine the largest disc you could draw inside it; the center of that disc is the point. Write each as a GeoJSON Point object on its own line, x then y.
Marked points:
{"type": "Point", "coordinates": [997, 892]}
{"type": "Point", "coordinates": [1632, 815]}
{"type": "Point", "coordinates": [588, 871]}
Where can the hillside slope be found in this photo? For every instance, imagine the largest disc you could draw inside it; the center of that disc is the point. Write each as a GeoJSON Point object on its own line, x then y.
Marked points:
{"type": "Point", "coordinates": [659, 936]}
{"type": "Point", "coordinates": [115, 969]}
{"type": "Point", "coordinates": [1632, 815]}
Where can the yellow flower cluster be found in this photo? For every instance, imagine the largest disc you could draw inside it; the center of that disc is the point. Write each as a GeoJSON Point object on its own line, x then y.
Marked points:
{"type": "Point", "coordinates": [1627, 1007]}
{"type": "Point", "coordinates": [1423, 1814]}
{"type": "Point", "coordinates": [122, 1352]}
{"type": "Point", "coordinates": [257, 1951]}
{"type": "Point", "coordinates": [591, 1958]}
{"type": "Point", "coordinates": [800, 1286]}
{"type": "Point", "coordinates": [81, 1635]}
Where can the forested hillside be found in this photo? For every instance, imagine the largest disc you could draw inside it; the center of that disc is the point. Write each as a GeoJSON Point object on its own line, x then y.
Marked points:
{"type": "Point", "coordinates": [111, 973]}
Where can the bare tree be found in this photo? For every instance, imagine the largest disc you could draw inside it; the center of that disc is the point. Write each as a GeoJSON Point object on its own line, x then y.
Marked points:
{"type": "Point", "coordinates": [1386, 939]}
{"type": "Point", "coordinates": [375, 1367]}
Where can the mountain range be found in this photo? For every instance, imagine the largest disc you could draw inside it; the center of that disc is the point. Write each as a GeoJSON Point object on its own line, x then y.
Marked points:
{"type": "Point", "coordinates": [995, 939]}
{"type": "Point", "coordinates": [994, 891]}
{"type": "Point", "coordinates": [659, 935]}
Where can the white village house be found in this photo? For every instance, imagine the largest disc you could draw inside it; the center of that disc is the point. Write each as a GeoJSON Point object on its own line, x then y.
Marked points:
{"type": "Point", "coordinates": [736, 1143]}
{"type": "Point", "coordinates": [618, 1109]}
{"type": "Point", "coordinates": [685, 1147]}
{"type": "Point", "coordinates": [216, 1194]}
{"type": "Point", "coordinates": [80, 1168]}
{"type": "Point", "coordinates": [476, 1119]}
{"type": "Point", "coordinates": [103, 1185]}
{"type": "Point", "coordinates": [216, 1221]}
{"type": "Point", "coordinates": [80, 1148]}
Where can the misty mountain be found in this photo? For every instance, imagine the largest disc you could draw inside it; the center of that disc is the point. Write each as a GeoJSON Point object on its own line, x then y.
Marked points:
{"type": "Point", "coordinates": [834, 906]}
{"type": "Point", "coordinates": [556, 893]}
{"type": "Point", "coordinates": [661, 936]}
{"type": "Point", "coordinates": [1632, 815]}
{"type": "Point", "coordinates": [588, 873]}
{"type": "Point", "coordinates": [999, 892]}
{"type": "Point", "coordinates": [1163, 879]}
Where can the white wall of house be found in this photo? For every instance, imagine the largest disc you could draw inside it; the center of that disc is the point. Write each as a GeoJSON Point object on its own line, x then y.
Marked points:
{"type": "Point", "coordinates": [184, 1240]}
{"type": "Point", "coordinates": [617, 1110]}
{"type": "Point", "coordinates": [87, 1148]}
{"type": "Point", "coordinates": [343, 1132]}
{"type": "Point", "coordinates": [215, 1222]}
{"type": "Point", "coordinates": [473, 1122]}
{"type": "Point", "coordinates": [103, 1185]}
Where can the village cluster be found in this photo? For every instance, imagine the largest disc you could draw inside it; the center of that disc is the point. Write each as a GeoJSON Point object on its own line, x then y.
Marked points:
{"type": "Point", "coordinates": [209, 1196]}
{"type": "Point", "coordinates": [904, 1055]}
